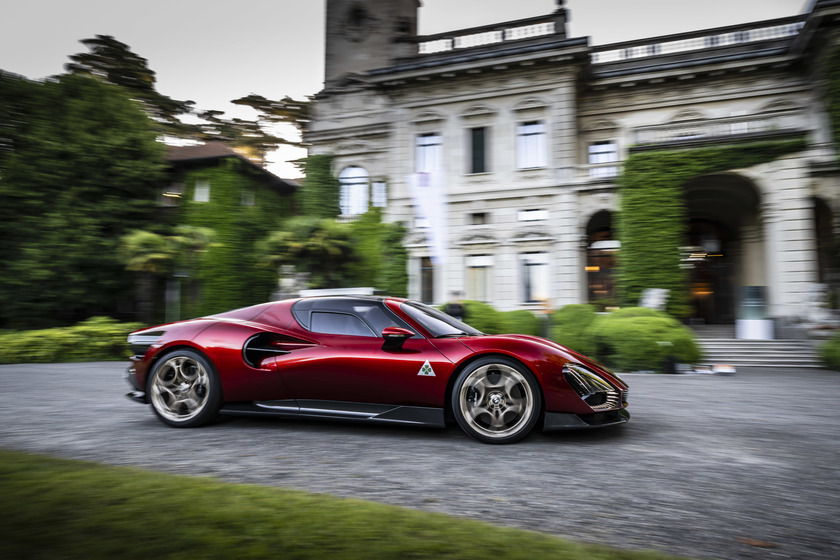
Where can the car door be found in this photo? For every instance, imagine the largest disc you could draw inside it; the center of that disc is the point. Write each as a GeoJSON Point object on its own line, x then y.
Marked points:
{"type": "Point", "coordinates": [352, 363]}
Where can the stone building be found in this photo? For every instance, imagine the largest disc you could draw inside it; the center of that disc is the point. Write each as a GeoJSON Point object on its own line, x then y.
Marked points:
{"type": "Point", "coordinates": [502, 147]}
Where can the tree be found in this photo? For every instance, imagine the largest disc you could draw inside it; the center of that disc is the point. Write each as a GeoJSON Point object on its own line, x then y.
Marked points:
{"type": "Point", "coordinates": [322, 248]}
{"type": "Point", "coordinates": [111, 60]}
{"type": "Point", "coordinates": [256, 138]}
{"type": "Point", "coordinates": [83, 169]}
{"type": "Point", "coordinates": [173, 257]}
{"type": "Point", "coordinates": [151, 255]}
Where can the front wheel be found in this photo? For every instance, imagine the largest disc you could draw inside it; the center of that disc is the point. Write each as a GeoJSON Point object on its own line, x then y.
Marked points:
{"type": "Point", "coordinates": [184, 389]}
{"type": "Point", "coordinates": [496, 400]}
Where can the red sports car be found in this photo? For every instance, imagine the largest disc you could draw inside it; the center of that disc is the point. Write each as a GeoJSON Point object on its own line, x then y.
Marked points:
{"type": "Point", "coordinates": [376, 359]}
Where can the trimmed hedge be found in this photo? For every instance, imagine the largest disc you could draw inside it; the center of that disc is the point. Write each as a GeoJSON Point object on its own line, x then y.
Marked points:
{"type": "Point", "coordinates": [630, 339]}
{"type": "Point", "coordinates": [522, 322]}
{"type": "Point", "coordinates": [488, 320]}
{"type": "Point", "coordinates": [97, 339]}
{"type": "Point", "coordinates": [830, 352]}
{"type": "Point", "coordinates": [484, 318]}
{"type": "Point", "coordinates": [569, 326]}
{"type": "Point", "coordinates": [637, 338]}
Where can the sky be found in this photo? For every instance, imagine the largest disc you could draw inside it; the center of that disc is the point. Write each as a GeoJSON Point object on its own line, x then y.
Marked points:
{"type": "Point", "coordinates": [212, 52]}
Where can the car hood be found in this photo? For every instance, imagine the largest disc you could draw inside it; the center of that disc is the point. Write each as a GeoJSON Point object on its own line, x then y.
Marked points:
{"type": "Point", "coordinates": [524, 345]}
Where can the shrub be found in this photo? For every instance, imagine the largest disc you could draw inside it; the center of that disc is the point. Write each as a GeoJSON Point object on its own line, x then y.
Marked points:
{"type": "Point", "coordinates": [97, 339]}
{"type": "Point", "coordinates": [484, 318]}
{"type": "Point", "coordinates": [642, 339]}
{"type": "Point", "coordinates": [569, 327]}
{"type": "Point", "coordinates": [830, 352]}
{"type": "Point", "coordinates": [522, 322]}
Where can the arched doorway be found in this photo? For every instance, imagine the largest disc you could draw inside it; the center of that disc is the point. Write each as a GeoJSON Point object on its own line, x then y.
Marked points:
{"type": "Point", "coordinates": [725, 245]}
{"type": "Point", "coordinates": [601, 251]}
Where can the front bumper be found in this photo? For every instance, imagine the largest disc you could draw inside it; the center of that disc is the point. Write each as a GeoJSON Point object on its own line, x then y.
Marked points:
{"type": "Point", "coordinates": [567, 421]}
{"type": "Point", "coordinates": [137, 395]}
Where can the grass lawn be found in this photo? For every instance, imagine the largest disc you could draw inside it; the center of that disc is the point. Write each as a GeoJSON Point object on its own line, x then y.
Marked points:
{"type": "Point", "coordinates": [55, 509]}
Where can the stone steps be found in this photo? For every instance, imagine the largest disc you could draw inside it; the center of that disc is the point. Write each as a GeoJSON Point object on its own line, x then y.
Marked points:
{"type": "Point", "coordinates": [759, 353]}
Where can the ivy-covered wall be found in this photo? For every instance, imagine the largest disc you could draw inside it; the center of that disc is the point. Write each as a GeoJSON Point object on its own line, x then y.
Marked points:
{"type": "Point", "coordinates": [652, 223]}
{"type": "Point", "coordinates": [382, 259]}
{"type": "Point", "coordinates": [242, 209]}
{"type": "Point", "coordinates": [319, 196]}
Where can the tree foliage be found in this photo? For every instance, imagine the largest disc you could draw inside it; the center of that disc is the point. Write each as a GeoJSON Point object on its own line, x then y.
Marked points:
{"type": "Point", "coordinates": [322, 248]}
{"type": "Point", "coordinates": [113, 61]}
{"type": "Point", "coordinates": [81, 166]}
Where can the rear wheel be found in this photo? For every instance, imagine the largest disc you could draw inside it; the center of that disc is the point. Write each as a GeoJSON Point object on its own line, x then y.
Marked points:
{"type": "Point", "coordinates": [184, 389]}
{"type": "Point", "coordinates": [496, 400]}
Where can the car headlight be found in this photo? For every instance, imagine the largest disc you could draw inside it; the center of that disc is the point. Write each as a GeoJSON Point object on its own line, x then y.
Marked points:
{"type": "Point", "coordinates": [140, 341]}
{"type": "Point", "coordinates": [592, 388]}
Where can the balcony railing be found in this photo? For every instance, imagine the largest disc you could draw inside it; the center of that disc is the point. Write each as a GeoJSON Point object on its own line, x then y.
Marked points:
{"type": "Point", "coordinates": [545, 25]}
{"type": "Point", "coordinates": [487, 35]}
{"type": "Point", "coordinates": [740, 36]}
{"type": "Point", "coordinates": [788, 120]}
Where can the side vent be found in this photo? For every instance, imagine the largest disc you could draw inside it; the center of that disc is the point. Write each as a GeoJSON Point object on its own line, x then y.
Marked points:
{"type": "Point", "coordinates": [266, 345]}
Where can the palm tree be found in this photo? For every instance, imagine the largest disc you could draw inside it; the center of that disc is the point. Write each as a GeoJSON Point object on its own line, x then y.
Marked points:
{"type": "Point", "coordinates": [322, 248]}
{"type": "Point", "coordinates": [189, 242]}
{"type": "Point", "coordinates": [151, 255]}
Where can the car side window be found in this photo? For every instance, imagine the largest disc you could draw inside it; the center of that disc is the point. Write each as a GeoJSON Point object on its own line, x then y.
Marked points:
{"type": "Point", "coordinates": [373, 315]}
{"type": "Point", "coordinates": [339, 323]}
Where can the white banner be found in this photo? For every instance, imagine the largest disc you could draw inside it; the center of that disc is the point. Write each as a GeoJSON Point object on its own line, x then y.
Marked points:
{"type": "Point", "coordinates": [428, 190]}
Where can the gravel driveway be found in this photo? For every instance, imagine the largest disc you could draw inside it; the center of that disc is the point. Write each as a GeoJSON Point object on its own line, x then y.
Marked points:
{"type": "Point", "coordinates": [723, 467]}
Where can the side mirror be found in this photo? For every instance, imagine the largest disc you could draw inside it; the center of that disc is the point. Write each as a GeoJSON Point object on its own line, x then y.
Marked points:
{"type": "Point", "coordinates": [395, 337]}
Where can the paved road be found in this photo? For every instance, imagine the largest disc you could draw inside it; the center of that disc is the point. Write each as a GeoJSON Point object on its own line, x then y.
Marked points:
{"type": "Point", "coordinates": [742, 466]}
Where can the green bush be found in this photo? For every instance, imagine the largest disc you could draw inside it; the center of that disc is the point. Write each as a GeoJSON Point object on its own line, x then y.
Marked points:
{"type": "Point", "coordinates": [569, 327]}
{"type": "Point", "coordinates": [830, 352]}
{"type": "Point", "coordinates": [97, 339]}
{"type": "Point", "coordinates": [641, 339]}
{"type": "Point", "coordinates": [629, 339]}
{"type": "Point", "coordinates": [484, 318]}
{"type": "Point", "coordinates": [522, 322]}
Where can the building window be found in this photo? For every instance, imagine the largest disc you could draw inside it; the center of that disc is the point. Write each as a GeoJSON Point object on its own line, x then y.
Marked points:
{"type": "Point", "coordinates": [429, 153]}
{"type": "Point", "coordinates": [172, 195]}
{"type": "Point", "coordinates": [477, 150]}
{"type": "Point", "coordinates": [601, 155]}
{"type": "Point", "coordinates": [531, 144]}
{"type": "Point", "coordinates": [478, 219]}
{"type": "Point", "coordinates": [534, 277]}
{"type": "Point", "coordinates": [202, 191]}
{"type": "Point", "coordinates": [427, 280]}
{"type": "Point", "coordinates": [355, 191]}
{"type": "Point", "coordinates": [479, 269]}
{"type": "Point", "coordinates": [248, 198]}
{"type": "Point", "coordinates": [532, 215]}
{"type": "Point", "coordinates": [379, 195]}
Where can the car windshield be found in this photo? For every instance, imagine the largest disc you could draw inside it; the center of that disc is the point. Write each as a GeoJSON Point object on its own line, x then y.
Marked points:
{"type": "Point", "coordinates": [438, 323]}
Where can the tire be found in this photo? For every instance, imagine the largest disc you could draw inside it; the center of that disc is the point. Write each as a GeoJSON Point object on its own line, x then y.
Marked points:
{"type": "Point", "coordinates": [184, 389]}
{"type": "Point", "coordinates": [496, 400]}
